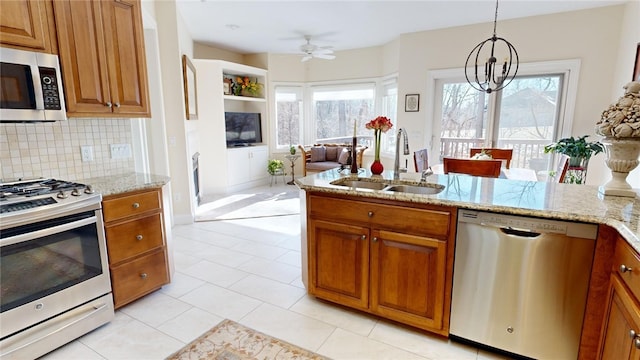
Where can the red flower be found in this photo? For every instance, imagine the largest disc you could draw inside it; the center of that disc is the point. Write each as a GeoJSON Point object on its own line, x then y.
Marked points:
{"type": "Point", "coordinates": [381, 123]}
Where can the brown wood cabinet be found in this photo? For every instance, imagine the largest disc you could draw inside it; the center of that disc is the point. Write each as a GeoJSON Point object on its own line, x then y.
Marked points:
{"type": "Point", "coordinates": [620, 337]}
{"type": "Point", "coordinates": [28, 25]}
{"type": "Point", "coordinates": [134, 227]}
{"type": "Point", "coordinates": [383, 257]}
{"type": "Point", "coordinates": [102, 55]}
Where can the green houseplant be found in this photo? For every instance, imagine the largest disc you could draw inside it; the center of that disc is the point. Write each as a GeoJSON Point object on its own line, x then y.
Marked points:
{"type": "Point", "coordinates": [578, 149]}
{"type": "Point", "coordinates": [274, 166]}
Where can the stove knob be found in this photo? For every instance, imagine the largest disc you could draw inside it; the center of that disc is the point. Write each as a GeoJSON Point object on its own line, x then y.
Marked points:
{"type": "Point", "coordinates": [76, 192]}
{"type": "Point", "coordinates": [62, 195]}
{"type": "Point", "coordinates": [88, 189]}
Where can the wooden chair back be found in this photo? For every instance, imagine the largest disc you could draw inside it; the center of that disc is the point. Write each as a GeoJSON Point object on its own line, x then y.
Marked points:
{"type": "Point", "coordinates": [421, 160]}
{"type": "Point", "coordinates": [496, 154]}
{"type": "Point", "coordinates": [485, 168]}
{"type": "Point", "coordinates": [561, 169]}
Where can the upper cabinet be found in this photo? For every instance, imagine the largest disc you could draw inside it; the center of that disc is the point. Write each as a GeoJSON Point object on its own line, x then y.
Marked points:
{"type": "Point", "coordinates": [102, 55]}
{"type": "Point", "coordinates": [25, 25]}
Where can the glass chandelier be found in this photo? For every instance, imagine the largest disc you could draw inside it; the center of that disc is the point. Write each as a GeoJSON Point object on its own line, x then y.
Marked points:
{"type": "Point", "coordinates": [491, 79]}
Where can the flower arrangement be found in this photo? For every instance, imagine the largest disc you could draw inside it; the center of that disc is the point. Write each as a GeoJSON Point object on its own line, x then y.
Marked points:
{"type": "Point", "coordinates": [244, 83]}
{"type": "Point", "coordinates": [379, 125]}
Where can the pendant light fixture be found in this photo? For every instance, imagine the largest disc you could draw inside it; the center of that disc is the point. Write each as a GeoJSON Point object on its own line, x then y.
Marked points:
{"type": "Point", "coordinates": [491, 76]}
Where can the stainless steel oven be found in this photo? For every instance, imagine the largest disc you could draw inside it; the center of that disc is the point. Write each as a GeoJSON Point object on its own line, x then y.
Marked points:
{"type": "Point", "coordinates": [55, 283]}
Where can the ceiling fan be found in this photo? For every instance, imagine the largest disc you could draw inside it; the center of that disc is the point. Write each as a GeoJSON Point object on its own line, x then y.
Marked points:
{"type": "Point", "coordinates": [310, 51]}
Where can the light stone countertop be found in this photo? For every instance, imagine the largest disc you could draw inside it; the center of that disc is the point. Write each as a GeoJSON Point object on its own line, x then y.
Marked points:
{"type": "Point", "coordinates": [122, 183]}
{"type": "Point", "coordinates": [571, 202]}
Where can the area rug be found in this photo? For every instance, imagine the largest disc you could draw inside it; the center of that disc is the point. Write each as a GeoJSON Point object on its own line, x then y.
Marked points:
{"type": "Point", "coordinates": [248, 205]}
{"type": "Point", "coordinates": [232, 341]}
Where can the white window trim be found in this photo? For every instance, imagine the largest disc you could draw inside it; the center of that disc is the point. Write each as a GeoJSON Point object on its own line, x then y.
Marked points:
{"type": "Point", "coordinates": [570, 68]}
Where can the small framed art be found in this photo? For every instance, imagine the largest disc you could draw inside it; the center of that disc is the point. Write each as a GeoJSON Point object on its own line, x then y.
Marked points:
{"type": "Point", "coordinates": [190, 92]}
{"type": "Point", "coordinates": [412, 102]}
{"type": "Point", "coordinates": [636, 67]}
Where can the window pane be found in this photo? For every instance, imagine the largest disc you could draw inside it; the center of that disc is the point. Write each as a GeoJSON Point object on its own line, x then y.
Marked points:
{"type": "Point", "coordinates": [528, 118]}
{"type": "Point", "coordinates": [390, 110]}
{"type": "Point", "coordinates": [288, 116]}
{"type": "Point", "coordinates": [336, 109]}
{"type": "Point", "coordinates": [463, 123]}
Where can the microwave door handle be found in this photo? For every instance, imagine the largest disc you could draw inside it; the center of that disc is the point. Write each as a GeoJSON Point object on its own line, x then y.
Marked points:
{"type": "Point", "coordinates": [37, 87]}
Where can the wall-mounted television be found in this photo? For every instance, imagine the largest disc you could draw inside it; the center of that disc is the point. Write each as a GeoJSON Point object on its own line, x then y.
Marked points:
{"type": "Point", "coordinates": [242, 129]}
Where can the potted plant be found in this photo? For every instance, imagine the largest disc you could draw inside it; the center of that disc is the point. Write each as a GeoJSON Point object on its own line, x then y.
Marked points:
{"type": "Point", "coordinates": [292, 150]}
{"type": "Point", "coordinates": [274, 166]}
{"type": "Point", "coordinates": [579, 149]}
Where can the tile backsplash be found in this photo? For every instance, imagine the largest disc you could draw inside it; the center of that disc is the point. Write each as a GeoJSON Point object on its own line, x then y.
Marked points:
{"type": "Point", "coordinates": [53, 149]}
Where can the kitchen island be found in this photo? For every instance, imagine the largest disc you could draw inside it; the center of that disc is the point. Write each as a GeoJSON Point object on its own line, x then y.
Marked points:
{"type": "Point", "coordinates": [410, 233]}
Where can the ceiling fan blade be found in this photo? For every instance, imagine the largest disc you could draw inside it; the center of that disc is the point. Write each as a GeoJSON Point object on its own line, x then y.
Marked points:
{"type": "Point", "coordinates": [306, 58]}
{"type": "Point", "coordinates": [323, 51]}
{"type": "Point", "coordinates": [325, 56]}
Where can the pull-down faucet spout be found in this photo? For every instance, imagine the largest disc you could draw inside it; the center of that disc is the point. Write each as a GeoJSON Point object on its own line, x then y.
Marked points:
{"type": "Point", "coordinates": [396, 165]}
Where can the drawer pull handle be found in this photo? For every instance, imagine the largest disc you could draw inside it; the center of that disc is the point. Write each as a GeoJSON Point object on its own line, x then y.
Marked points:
{"type": "Point", "coordinates": [370, 214]}
{"type": "Point", "coordinates": [375, 239]}
{"type": "Point", "coordinates": [143, 275]}
{"type": "Point", "coordinates": [138, 237]}
{"type": "Point", "coordinates": [135, 205]}
{"type": "Point", "coordinates": [624, 268]}
{"type": "Point", "coordinates": [363, 237]}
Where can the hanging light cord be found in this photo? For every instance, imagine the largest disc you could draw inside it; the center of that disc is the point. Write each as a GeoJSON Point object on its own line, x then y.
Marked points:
{"type": "Point", "coordinates": [495, 20]}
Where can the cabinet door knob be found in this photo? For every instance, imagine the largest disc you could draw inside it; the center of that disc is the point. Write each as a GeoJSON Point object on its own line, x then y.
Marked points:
{"type": "Point", "coordinates": [143, 275]}
{"type": "Point", "coordinates": [363, 237]}
{"type": "Point", "coordinates": [117, 105]}
{"type": "Point", "coordinates": [375, 239]}
{"type": "Point", "coordinates": [636, 343]}
{"type": "Point", "coordinates": [370, 214]}
{"type": "Point", "coordinates": [135, 205]}
{"type": "Point", "coordinates": [624, 268]}
{"type": "Point", "coordinates": [108, 104]}
{"type": "Point", "coordinates": [632, 333]}
{"type": "Point", "coordinates": [139, 237]}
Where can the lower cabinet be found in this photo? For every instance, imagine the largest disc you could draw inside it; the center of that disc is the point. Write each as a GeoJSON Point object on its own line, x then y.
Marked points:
{"type": "Point", "coordinates": [391, 259]}
{"type": "Point", "coordinates": [621, 328]}
{"type": "Point", "coordinates": [247, 165]}
{"type": "Point", "coordinates": [134, 227]}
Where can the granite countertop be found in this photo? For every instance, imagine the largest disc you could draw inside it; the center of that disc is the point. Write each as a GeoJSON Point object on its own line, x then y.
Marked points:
{"type": "Point", "coordinates": [531, 198]}
{"type": "Point", "coordinates": [122, 183]}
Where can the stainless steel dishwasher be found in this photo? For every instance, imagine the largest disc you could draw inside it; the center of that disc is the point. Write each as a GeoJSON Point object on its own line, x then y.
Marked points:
{"type": "Point", "coordinates": [520, 283]}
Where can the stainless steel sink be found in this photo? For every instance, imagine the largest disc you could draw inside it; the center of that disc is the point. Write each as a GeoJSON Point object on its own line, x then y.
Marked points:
{"type": "Point", "coordinates": [416, 189]}
{"type": "Point", "coordinates": [360, 184]}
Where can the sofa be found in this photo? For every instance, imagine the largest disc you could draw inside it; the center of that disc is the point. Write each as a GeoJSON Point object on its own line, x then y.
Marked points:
{"type": "Point", "coordinates": [321, 157]}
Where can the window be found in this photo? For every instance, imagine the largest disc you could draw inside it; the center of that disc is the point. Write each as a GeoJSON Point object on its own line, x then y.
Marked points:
{"type": "Point", "coordinates": [390, 110]}
{"type": "Point", "coordinates": [289, 115]}
{"type": "Point", "coordinates": [525, 116]}
{"type": "Point", "coordinates": [337, 107]}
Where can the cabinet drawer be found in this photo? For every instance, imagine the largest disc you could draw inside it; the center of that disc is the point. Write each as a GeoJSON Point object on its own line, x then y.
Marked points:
{"type": "Point", "coordinates": [134, 237]}
{"type": "Point", "coordinates": [630, 273]}
{"type": "Point", "coordinates": [433, 223]}
{"type": "Point", "coordinates": [125, 206]}
{"type": "Point", "coordinates": [141, 276]}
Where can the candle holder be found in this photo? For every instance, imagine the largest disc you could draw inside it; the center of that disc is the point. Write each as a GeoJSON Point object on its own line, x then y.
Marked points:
{"type": "Point", "coordinates": [354, 161]}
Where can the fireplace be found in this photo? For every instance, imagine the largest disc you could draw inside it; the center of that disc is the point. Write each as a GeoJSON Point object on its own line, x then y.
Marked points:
{"type": "Point", "coordinates": [196, 177]}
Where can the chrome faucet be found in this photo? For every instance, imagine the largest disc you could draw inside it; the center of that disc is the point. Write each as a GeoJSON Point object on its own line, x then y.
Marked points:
{"type": "Point", "coordinates": [396, 165]}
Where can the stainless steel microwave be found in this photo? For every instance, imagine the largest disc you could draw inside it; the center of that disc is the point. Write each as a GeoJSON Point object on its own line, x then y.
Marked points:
{"type": "Point", "coordinates": [30, 87]}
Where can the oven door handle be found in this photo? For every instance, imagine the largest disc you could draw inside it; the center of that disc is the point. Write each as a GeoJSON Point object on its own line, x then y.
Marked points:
{"type": "Point", "coordinates": [49, 231]}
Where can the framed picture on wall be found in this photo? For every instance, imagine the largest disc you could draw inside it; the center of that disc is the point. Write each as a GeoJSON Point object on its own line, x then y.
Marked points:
{"type": "Point", "coordinates": [636, 68]}
{"type": "Point", "coordinates": [412, 102]}
{"type": "Point", "coordinates": [190, 93]}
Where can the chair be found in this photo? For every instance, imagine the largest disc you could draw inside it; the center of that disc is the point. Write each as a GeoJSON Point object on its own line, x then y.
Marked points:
{"type": "Point", "coordinates": [421, 160]}
{"type": "Point", "coordinates": [485, 168]}
{"type": "Point", "coordinates": [496, 154]}
{"type": "Point", "coordinates": [561, 169]}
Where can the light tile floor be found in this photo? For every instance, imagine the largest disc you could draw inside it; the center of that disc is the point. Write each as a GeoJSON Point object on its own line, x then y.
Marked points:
{"type": "Point", "coordinates": [249, 271]}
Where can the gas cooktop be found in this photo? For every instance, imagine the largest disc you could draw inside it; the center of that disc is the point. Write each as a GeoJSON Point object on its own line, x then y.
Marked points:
{"type": "Point", "coordinates": [37, 194]}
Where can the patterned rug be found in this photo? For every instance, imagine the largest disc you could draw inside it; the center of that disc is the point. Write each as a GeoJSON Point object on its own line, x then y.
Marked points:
{"type": "Point", "coordinates": [232, 341]}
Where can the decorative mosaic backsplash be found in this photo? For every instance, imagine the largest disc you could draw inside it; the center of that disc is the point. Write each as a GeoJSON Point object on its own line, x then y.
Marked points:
{"type": "Point", "coordinates": [53, 149]}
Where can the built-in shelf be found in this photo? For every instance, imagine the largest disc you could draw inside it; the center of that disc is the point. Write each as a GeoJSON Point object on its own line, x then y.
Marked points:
{"type": "Point", "coordinates": [243, 98]}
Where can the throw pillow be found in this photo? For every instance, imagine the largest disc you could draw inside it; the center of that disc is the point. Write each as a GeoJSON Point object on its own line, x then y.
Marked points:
{"type": "Point", "coordinates": [344, 156]}
{"type": "Point", "coordinates": [332, 153]}
{"type": "Point", "coordinates": [318, 153]}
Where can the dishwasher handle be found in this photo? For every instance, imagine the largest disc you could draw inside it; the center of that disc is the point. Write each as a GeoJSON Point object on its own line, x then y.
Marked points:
{"type": "Point", "coordinates": [520, 233]}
